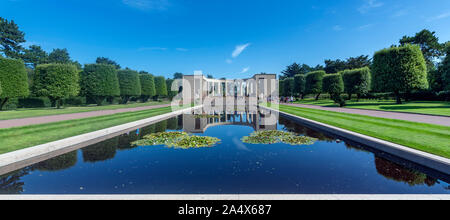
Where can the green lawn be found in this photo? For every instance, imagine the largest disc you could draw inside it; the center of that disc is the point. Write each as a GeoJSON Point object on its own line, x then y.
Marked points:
{"type": "Point", "coordinates": [17, 138]}
{"type": "Point", "coordinates": [27, 113]}
{"type": "Point", "coordinates": [422, 107]}
{"type": "Point", "coordinates": [430, 138]}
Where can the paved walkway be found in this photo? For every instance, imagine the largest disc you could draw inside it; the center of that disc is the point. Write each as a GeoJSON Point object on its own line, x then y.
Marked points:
{"type": "Point", "coordinates": [55, 118]}
{"type": "Point", "coordinates": [430, 119]}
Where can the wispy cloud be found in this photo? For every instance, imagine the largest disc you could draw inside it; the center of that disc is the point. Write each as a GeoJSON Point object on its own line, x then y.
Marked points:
{"type": "Point", "coordinates": [229, 61]}
{"type": "Point", "coordinates": [364, 27]}
{"type": "Point", "coordinates": [152, 49]}
{"type": "Point", "coordinates": [368, 5]}
{"type": "Point", "coordinates": [337, 28]}
{"type": "Point", "coordinates": [400, 13]}
{"type": "Point", "coordinates": [439, 17]}
{"type": "Point", "coordinates": [246, 69]}
{"type": "Point", "coordinates": [147, 5]}
{"type": "Point", "coordinates": [239, 49]}
{"type": "Point", "coordinates": [182, 49]}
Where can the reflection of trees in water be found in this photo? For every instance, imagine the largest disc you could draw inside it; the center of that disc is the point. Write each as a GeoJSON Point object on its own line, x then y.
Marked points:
{"type": "Point", "coordinates": [102, 151]}
{"type": "Point", "coordinates": [302, 130]}
{"type": "Point", "coordinates": [147, 130]}
{"type": "Point", "coordinates": [172, 124]}
{"type": "Point", "coordinates": [58, 163]}
{"type": "Point", "coordinates": [126, 139]}
{"type": "Point", "coordinates": [398, 173]}
{"type": "Point", "coordinates": [11, 184]}
{"type": "Point", "coordinates": [161, 126]}
{"type": "Point", "coordinates": [355, 147]}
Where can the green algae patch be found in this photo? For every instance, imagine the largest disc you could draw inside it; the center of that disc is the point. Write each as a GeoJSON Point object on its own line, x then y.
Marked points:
{"type": "Point", "coordinates": [177, 140]}
{"type": "Point", "coordinates": [273, 137]}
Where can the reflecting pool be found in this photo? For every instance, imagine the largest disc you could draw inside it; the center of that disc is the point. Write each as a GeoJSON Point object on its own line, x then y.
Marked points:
{"type": "Point", "coordinates": [326, 165]}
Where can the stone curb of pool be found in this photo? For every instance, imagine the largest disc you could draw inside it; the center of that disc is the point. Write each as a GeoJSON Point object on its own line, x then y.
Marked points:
{"type": "Point", "coordinates": [432, 161]}
{"type": "Point", "coordinates": [21, 158]}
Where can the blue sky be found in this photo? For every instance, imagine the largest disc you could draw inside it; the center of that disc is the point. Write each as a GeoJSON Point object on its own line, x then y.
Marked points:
{"type": "Point", "coordinates": [226, 38]}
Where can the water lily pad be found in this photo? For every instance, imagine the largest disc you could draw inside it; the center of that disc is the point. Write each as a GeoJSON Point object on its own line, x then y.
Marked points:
{"type": "Point", "coordinates": [177, 140]}
{"type": "Point", "coordinates": [273, 137]}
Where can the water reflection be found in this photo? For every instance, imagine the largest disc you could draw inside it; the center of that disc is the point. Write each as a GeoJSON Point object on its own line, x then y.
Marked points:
{"type": "Point", "coordinates": [13, 183]}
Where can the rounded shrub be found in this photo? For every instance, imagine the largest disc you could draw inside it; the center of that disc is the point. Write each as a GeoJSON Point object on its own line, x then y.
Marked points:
{"type": "Point", "coordinates": [130, 84]}
{"type": "Point", "coordinates": [147, 86]}
{"type": "Point", "coordinates": [356, 81]}
{"type": "Point", "coordinates": [299, 85]}
{"type": "Point", "coordinates": [56, 81]}
{"type": "Point", "coordinates": [314, 83]}
{"type": "Point", "coordinates": [399, 69]}
{"type": "Point", "coordinates": [334, 85]}
{"type": "Point", "coordinates": [161, 87]}
{"type": "Point", "coordinates": [13, 80]}
{"type": "Point", "coordinates": [99, 81]}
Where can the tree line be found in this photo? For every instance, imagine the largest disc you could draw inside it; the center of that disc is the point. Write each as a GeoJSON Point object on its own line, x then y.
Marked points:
{"type": "Point", "coordinates": [418, 64]}
{"type": "Point", "coordinates": [32, 72]}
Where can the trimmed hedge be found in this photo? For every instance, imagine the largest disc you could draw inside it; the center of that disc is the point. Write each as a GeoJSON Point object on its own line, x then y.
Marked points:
{"type": "Point", "coordinates": [399, 69]}
{"type": "Point", "coordinates": [99, 81]}
{"type": "Point", "coordinates": [289, 86]}
{"type": "Point", "coordinates": [299, 85]}
{"type": "Point", "coordinates": [34, 102]}
{"type": "Point", "coordinates": [281, 88]}
{"type": "Point", "coordinates": [13, 80]}
{"type": "Point", "coordinates": [170, 93]}
{"type": "Point", "coordinates": [161, 87]}
{"type": "Point", "coordinates": [148, 86]}
{"type": "Point", "coordinates": [334, 85]}
{"type": "Point", "coordinates": [314, 82]}
{"type": "Point", "coordinates": [130, 84]}
{"type": "Point", "coordinates": [356, 81]}
{"type": "Point", "coordinates": [56, 81]}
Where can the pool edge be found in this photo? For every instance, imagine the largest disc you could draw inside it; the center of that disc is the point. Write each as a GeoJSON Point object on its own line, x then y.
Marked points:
{"type": "Point", "coordinates": [432, 161]}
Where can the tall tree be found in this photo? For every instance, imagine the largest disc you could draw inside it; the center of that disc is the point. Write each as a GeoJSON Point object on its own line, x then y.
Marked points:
{"type": "Point", "coordinates": [178, 75]}
{"type": "Point", "coordinates": [10, 38]}
{"type": "Point", "coordinates": [34, 56]}
{"type": "Point", "coordinates": [104, 60]}
{"type": "Point", "coordinates": [429, 45]}
{"type": "Point", "coordinates": [59, 56]}
{"type": "Point", "coordinates": [358, 62]}
{"type": "Point", "coordinates": [444, 68]}
{"type": "Point", "coordinates": [296, 69]}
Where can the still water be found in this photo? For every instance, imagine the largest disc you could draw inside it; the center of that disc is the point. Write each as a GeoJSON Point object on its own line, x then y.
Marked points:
{"type": "Point", "coordinates": [329, 166]}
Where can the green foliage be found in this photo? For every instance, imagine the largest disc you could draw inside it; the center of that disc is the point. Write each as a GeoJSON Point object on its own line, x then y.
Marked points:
{"type": "Point", "coordinates": [34, 102]}
{"type": "Point", "coordinates": [99, 81]}
{"type": "Point", "coordinates": [34, 56]}
{"type": "Point", "coordinates": [314, 82]}
{"type": "Point", "coordinates": [296, 69]}
{"type": "Point", "coordinates": [273, 137]}
{"type": "Point", "coordinates": [356, 81]}
{"type": "Point", "coordinates": [444, 68]}
{"type": "Point", "coordinates": [177, 140]}
{"type": "Point", "coordinates": [13, 80]}
{"type": "Point", "coordinates": [178, 75]}
{"type": "Point", "coordinates": [59, 56]}
{"type": "Point", "coordinates": [104, 60]}
{"type": "Point", "coordinates": [147, 86]}
{"type": "Point", "coordinates": [281, 88]}
{"type": "Point", "coordinates": [334, 85]}
{"type": "Point", "coordinates": [130, 84]}
{"type": "Point", "coordinates": [399, 69]}
{"type": "Point", "coordinates": [161, 86]}
{"type": "Point", "coordinates": [56, 81]}
{"type": "Point", "coordinates": [169, 84]}
{"type": "Point", "coordinates": [334, 66]}
{"type": "Point", "coordinates": [299, 84]}
{"type": "Point", "coordinates": [428, 42]}
{"type": "Point", "coordinates": [289, 86]}
{"type": "Point", "coordinates": [10, 38]}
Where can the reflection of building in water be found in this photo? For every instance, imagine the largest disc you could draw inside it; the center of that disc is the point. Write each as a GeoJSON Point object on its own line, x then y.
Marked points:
{"type": "Point", "coordinates": [200, 123]}
{"type": "Point", "coordinates": [261, 86]}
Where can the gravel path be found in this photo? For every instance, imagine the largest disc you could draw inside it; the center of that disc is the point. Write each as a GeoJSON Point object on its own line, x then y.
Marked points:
{"type": "Point", "coordinates": [430, 119]}
{"type": "Point", "coordinates": [55, 118]}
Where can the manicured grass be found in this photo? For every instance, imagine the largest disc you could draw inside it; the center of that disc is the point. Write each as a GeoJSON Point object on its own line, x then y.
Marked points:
{"type": "Point", "coordinates": [27, 113]}
{"type": "Point", "coordinates": [422, 107]}
{"type": "Point", "coordinates": [17, 138]}
{"type": "Point", "coordinates": [430, 138]}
